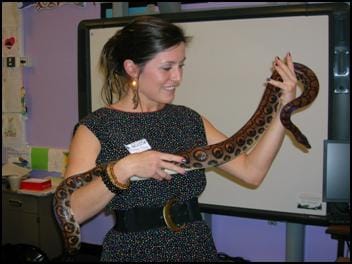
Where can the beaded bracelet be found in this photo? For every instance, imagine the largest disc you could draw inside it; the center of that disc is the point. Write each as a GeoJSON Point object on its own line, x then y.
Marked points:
{"type": "Point", "coordinates": [113, 179]}
{"type": "Point", "coordinates": [108, 182]}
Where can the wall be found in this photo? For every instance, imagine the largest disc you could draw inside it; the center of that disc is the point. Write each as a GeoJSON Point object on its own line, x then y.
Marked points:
{"type": "Point", "coordinates": [51, 83]}
{"type": "Point", "coordinates": [50, 39]}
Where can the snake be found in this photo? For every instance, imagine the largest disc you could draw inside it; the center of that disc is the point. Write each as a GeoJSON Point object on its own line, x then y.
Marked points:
{"type": "Point", "coordinates": [200, 157]}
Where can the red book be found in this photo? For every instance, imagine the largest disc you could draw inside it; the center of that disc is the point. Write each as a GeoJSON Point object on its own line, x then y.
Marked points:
{"type": "Point", "coordinates": [35, 184]}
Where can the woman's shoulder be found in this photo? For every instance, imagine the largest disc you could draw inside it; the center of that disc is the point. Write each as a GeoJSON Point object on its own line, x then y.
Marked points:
{"type": "Point", "coordinates": [183, 109]}
{"type": "Point", "coordinates": [96, 118]}
{"type": "Point", "coordinates": [96, 114]}
{"type": "Point", "coordinates": [186, 112]}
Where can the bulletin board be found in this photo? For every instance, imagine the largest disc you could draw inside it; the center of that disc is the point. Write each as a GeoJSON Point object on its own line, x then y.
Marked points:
{"type": "Point", "coordinates": [228, 61]}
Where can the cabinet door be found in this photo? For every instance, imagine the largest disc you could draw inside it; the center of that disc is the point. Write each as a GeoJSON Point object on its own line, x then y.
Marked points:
{"type": "Point", "coordinates": [50, 234]}
{"type": "Point", "coordinates": [30, 220]}
{"type": "Point", "coordinates": [19, 219]}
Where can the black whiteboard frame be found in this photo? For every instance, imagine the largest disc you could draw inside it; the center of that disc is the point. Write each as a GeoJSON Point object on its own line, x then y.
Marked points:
{"type": "Point", "coordinates": [330, 9]}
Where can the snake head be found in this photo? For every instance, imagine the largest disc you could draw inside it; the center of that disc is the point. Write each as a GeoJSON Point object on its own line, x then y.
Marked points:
{"type": "Point", "coordinates": [303, 140]}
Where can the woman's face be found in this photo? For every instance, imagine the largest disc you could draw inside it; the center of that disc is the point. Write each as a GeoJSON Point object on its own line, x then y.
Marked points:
{"type": "Point", "coordinates": [161, 75]}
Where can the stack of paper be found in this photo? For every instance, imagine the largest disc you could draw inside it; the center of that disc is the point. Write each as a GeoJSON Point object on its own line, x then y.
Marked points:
{"type": "Point", "coordinates": [12, 169]}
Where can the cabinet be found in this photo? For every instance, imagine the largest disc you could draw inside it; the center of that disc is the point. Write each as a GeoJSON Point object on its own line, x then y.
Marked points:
{"type": "Point", "coordinates": [30, 219]}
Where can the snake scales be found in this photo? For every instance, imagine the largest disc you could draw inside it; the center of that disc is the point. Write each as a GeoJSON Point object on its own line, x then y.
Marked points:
{"type": "Point", "coordinates": [201, 157]}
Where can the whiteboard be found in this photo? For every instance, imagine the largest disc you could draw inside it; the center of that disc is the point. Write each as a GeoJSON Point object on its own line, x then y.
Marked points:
{"type": "Point", "coordinates": [228, 61]}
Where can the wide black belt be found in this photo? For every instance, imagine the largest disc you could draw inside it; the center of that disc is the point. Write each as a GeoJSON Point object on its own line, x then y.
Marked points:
{"type": "Point", "coordinates": [173, 215]}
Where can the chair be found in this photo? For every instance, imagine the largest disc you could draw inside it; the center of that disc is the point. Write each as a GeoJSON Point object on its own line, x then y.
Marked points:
{"type": "Point", "coordinates": [342, 234]}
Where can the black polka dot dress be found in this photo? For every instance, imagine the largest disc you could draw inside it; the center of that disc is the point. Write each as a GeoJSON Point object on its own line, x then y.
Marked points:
{"type": "Point", "coordinates": [172, 129]}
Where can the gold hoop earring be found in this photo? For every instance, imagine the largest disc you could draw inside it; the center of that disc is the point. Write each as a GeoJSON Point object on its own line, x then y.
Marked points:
{"type": "Point", "coordinates": [135, 97]}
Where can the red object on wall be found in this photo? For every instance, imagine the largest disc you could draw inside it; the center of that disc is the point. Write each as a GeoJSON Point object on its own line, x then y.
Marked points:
{"type": "Point", "coordinates": [9, 42]}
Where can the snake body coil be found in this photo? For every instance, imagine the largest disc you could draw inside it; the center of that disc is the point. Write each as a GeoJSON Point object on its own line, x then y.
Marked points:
{"type": "Point", "coordinates": [201, 157]}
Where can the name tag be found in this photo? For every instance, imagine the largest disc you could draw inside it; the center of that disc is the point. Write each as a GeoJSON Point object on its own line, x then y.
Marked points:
{"type": "Point", "coordinates": [135, 147]}
{"type": "Point", "coordinates": [138, 146]}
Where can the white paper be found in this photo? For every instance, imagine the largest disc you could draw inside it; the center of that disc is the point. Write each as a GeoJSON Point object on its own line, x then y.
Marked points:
{"type": "Point", "coordinates": [12, 169]}
{"type": "Point", "coordinates": [14, 153]}
{"type": "Point", "coordinates": [13, 131]}
{"type": "Point", "coordinates": [56, 159]}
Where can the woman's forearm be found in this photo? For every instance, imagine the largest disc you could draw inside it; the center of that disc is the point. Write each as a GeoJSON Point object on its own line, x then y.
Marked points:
{"type": "Point", "coordinates": [90, 199]}
{"type": "Point", "coordinates": [261, 157]}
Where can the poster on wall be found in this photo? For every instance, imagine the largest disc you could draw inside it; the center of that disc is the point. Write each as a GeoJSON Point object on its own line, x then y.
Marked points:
{"type": "Point", "coordinates": [13, 129]}
{"type": "Point", "coordinates": [14, 110]}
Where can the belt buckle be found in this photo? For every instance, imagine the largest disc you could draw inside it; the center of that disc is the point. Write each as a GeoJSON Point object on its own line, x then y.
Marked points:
{"type": "Point", "coordinates": [168, 219]}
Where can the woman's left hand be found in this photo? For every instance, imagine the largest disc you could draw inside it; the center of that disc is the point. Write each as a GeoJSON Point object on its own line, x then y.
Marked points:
{"type": "Point", "coordinates": [289, 80]}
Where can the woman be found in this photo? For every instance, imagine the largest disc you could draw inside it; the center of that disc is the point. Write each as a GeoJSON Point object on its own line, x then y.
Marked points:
{"type": "Point", "coordinates": [138, 132]}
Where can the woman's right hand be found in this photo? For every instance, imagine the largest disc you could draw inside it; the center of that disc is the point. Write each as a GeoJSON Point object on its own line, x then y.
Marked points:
{"type": "Point", "coordinates": [147, 164]}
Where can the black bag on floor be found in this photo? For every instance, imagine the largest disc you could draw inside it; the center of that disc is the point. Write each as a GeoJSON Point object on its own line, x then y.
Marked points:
{"type": "Point", "coordinates": [22, 253]}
